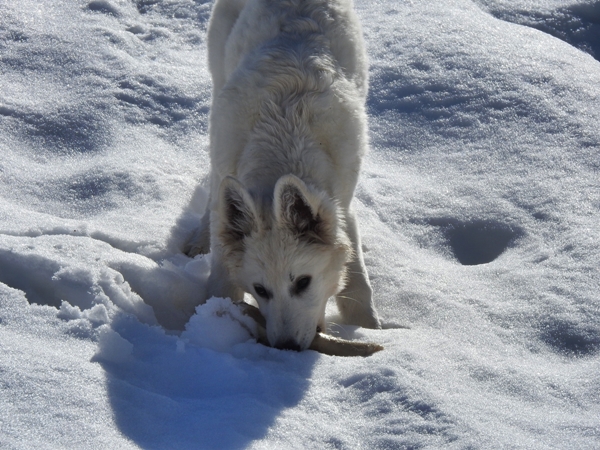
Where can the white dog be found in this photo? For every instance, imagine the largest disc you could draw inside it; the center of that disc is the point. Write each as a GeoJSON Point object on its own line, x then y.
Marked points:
{"type": "Point", "coordinates": [287, 135]}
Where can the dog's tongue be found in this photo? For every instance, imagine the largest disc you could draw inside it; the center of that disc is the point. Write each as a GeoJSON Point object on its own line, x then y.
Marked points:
{"type": "Point", "coordinates": [322, 343]}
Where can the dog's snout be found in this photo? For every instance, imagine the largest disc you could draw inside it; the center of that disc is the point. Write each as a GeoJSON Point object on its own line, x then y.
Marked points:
{"type": "Point", "coordinates": [290, 344]}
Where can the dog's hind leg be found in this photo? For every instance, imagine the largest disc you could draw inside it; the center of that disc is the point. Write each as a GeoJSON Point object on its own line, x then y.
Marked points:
{"type": "Point", "coordinates": [199, 241]}
{"type": "Point", "coordinates": [355, 302]}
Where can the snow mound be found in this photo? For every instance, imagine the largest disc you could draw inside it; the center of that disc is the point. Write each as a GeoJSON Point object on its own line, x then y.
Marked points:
{"type": "Point", "coordinates": [219, 325]}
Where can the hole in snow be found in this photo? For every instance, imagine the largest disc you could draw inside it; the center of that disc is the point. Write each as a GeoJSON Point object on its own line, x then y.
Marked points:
{"type": "Point", "coordinates": [31, 275]}
{"type": "Point", "coordinates": [477, 242]}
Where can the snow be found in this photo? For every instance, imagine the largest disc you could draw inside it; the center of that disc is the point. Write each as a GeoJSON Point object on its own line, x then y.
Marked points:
{"type": "Point", "coordinates": [479, 206]}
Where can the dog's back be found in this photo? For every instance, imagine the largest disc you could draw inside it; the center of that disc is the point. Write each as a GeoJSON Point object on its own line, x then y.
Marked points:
{"type": "Point", "coordinates": [291, 77]}
{"type": "Point", "coordinates": [239, 27]}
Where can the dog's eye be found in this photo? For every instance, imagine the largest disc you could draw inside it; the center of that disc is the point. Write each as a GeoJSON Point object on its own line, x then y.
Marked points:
{"type": "Point", "coordinates": [302, 284]}
{"type": "Point", "coordinates": [261, 291]}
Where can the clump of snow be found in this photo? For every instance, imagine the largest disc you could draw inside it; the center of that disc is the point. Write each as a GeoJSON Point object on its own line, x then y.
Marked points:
{"type": "Point", "coordinates": [479, 207]}
{"type": "Point", "coordinates": [97, 314]}
{"type": "Point", "coordinates": [219, 324]}
{"type": "Point", "coordinates": [112, 347]}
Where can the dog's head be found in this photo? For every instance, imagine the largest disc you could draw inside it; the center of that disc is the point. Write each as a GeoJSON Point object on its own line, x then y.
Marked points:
{"type": "Point", "coordinates": [290, 254]}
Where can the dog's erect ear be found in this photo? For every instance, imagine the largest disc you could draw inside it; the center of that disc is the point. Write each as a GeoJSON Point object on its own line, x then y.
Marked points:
{"type": "Point", "coordinates": [237, 212]}
{"type": "Point", "coordinates": [308, 214]}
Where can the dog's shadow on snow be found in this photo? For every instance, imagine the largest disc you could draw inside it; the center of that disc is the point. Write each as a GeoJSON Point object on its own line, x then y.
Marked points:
{"type": "Point", "coordinates": [166, 392]}
{"type": "Point", "coordinates": [192, 397]}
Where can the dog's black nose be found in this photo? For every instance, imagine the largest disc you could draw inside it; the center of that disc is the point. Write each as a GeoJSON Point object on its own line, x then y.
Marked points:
{"type": "Point", "coordinates": [290, 344]}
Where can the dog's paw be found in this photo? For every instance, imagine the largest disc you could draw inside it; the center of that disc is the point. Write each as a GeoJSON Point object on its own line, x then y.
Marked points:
{"type": "Point", "coordinates": [198, 243]}
{"type": "Point", "coordinates": [195, 250]}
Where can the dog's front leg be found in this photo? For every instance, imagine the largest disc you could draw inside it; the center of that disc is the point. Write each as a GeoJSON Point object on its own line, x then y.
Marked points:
{"type": "Point", "coordinates": [219, 281]}
{"type": "Point", "coordinates": [355, 302]}
{"type": "Point", "coordinates": [199, 241]}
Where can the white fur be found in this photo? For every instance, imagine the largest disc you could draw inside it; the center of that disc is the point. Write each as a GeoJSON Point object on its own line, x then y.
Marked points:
{"type": "Point", "coordinates": [287, 134]}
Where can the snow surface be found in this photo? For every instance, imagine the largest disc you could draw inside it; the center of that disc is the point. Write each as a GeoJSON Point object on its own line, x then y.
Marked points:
{"type": "Point", "coordinates": [480, 213]}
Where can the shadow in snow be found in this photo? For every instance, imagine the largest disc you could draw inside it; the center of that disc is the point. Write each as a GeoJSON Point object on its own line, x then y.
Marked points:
{"type": "Point", "coordinates": [577, 24]}
{"type": "Point", "coordinates": [33, 275]}
{"type": "Point", "coordinates": [63, 131]}
{"type": "Point", "coordinates": [198, 10]}
{"type": "Point", "coordinates": [168, 395]}
{"type": "Point", "coordinates": [147, 99]}
{"type": "Point", "coordinates": [89, 193]}
{"type": "Point", "coordinates": [104, 7]}
{"type": "Point", "coordinates": [571, 338]}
